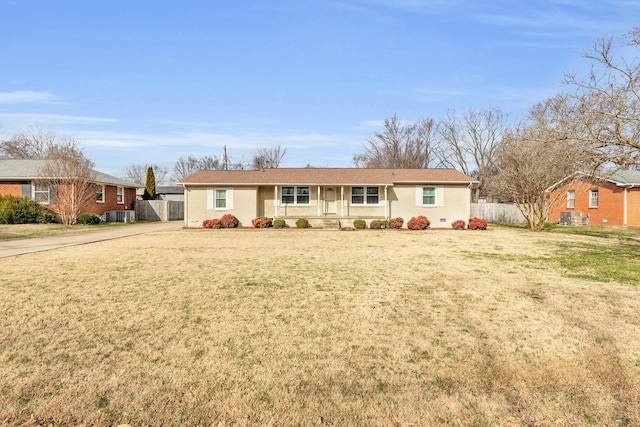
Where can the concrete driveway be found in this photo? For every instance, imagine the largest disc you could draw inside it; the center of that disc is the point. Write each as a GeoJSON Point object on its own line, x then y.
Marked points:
{"type": "Point", "coordinates": [39, 244]}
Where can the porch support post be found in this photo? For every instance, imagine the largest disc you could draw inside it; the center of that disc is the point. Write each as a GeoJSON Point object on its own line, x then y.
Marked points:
{"type": "Point", "coordinates": [386, 203]}
{"type": "Point", "coordinates": [318, 200]}
{"type": "Point", "coordinates": [342, 200]}
{"type": "Point", "coordinates": [275, 200]}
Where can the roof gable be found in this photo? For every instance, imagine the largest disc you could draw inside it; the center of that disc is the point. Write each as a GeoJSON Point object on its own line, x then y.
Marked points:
{"type": "Point", "coordinates": [326, 176]}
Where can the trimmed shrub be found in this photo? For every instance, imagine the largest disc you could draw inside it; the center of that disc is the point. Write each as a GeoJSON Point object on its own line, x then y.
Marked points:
{"type": "Point", "coordinates": [18, 210]}
{"type": "Point", "coordinates": [376, 224]}
{"type": "Point", "coordinates": [458, 224]}
{"type": "Point", "coordinates": [302, 223]}
{"type": "Point", "coordinates": [396, 222]}
{"type": "Point", "coordinates": [88, 219]}
{"type": "Point", "coordinates": [211, 223]}
{"type": "Point", "coordinates": [359, 224]}
{"type": "Point", "coordinates": [477, 224]}
{"type": "Point", "coordinates": [280, 223]}
{"type": "Point", "coordinates": [418, 223]}
{"type": "Point", "coordinates": [261, 222]}
{"type": "Point", "coordinates": [229, 221]}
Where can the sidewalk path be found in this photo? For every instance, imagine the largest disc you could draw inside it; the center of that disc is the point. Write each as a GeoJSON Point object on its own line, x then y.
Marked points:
{"type": "Point", "coordinates": [27, 246]}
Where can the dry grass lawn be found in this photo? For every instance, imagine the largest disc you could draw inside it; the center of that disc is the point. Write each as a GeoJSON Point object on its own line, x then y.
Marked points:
{"type": "Point", "coordinates": [302, 327]}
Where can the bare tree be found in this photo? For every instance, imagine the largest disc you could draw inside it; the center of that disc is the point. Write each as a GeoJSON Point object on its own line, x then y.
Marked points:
{"type": "Point", "coordinates": [606, 105]}
{"type": "Point", "coordinates": [469, 144]}
{"type": "Point", "coordinates": [401, 145]}
{"type": "Point", "coordinates": [33, 143]}
{"type": "Point", "coordinates": [185, 166]}
{"type": "Point", "coordinates": [69, 175]}
{"type": "Point", "coordinates": [536, 156]}
{"type": "Point", "coordinates": [137, 172]}
{"type": "Point", "coordinates": [268, 157]}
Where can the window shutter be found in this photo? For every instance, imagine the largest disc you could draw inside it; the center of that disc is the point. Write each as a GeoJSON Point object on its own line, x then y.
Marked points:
{"type": "Point", "coordinates": [439, 196]}
{"type": "Point", "coordinates": [418, 196]}
{"type": "Point", "coordinates": [229, 199]}
{"type": "Point", "coordinates": [211, 198]}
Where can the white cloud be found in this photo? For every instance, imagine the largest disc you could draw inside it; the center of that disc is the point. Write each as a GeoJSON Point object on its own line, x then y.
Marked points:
{"type": "Point", "coordinates": [26, 97]}
{"type": "Point", "coordinates": [27, 119]}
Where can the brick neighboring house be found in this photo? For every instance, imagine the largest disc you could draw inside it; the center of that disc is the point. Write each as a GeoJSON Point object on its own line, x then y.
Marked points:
{"type": "Point", "coordinates": [612, 200]}
{"type": "Point", "coordinates": [20, 178]}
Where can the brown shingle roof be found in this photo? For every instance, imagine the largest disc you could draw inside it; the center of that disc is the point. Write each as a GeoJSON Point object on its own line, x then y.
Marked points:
{"type": "Point", "coordinates": [327, 176]}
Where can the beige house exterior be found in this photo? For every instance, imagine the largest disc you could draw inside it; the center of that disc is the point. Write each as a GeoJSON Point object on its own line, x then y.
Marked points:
{"type": "Point", "coordinates": [328, 196]}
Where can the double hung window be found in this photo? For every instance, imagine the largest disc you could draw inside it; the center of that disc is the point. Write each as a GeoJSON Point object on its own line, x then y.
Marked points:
{"type": "Point", "coordinates": [365, 195]}
{"type": "Point", "coordinates": [295, 196]}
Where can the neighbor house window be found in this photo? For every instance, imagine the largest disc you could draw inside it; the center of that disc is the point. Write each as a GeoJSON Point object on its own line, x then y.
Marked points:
{"type": "Point", "coordinates": [593, 198]}
{"type": "Point", "coordinates": [571, 199]}
{"type": "Point", "coordinates": [429, 196]}
{"type": "Point", "coordinates": [42, 193]}
{"type": "Point", "coordinates": [120, 195]}
{"type": "Point", "coordinates": [221, 199]}
{"type": "Point", "coordinates": [99, 193]}
{"type": "Point", "coordinates": [365, 195]}
{"type": "Point", "coordinates": [295, 195]}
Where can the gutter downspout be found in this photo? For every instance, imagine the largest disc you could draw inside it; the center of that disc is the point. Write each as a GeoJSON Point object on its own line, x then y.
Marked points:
{"type": "Point", "coordinates": [184, 208]}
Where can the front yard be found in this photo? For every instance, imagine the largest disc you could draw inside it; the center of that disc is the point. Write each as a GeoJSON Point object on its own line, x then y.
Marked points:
{"type": "Point", "coordinates": [260, 327]}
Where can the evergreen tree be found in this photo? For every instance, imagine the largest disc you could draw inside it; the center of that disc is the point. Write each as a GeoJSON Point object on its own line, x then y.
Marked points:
{"type": "Point", "coordinates": [150, 186]}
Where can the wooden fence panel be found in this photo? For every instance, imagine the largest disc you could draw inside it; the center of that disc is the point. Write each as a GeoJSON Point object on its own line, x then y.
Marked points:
{"type": "Point", "coordinates": [159, 210]}
{"type": "Point", "coordinates": [497, 212]}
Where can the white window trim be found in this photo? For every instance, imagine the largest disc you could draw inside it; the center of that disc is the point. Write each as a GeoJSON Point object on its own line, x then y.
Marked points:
{"type": "Point", "coordinates": [591, 205]}
{"type": "Point", "coordinates": [211, 199]}
{"type": "Point", "coordinates": [364, 195]}
{"type": "Point", "coordinates": [48, 193]}
{"type": "Point", "coordinates": [103, 191]}
{"type": "Point", "coordinates": [571, 199]}
{"type": "Point", "coordinates": [118, 190]}
{"type": "Point", "coordinates": [439, 196]}
{"type": "Point", "coordinates": [295, 195]}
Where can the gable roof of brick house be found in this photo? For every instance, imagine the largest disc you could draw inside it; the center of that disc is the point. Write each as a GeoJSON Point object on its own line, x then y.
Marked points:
{"type": "Point", "coordinates": [27, 169]}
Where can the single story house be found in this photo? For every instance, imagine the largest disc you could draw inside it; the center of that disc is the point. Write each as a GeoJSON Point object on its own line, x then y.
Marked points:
{"type": "Point", "coordinates": [328, 196]}
{"type": "Point", "coordinates": [612, 199]}
{"type": "Point", "coordinates": [170, 192]}
{"type": "Point", "coordinates": [21, 178]}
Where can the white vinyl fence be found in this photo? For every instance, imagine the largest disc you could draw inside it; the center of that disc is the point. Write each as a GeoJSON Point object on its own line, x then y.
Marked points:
{"type": "Point", "coordinates": [497, 212]}
{"type": "Point", "coordinates": [159, 210]}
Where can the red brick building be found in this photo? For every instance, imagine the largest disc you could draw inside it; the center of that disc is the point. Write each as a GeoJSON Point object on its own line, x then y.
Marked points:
{"type": "Point", "coordinates": [614, 200]}
{"type": "Point", "coordinates": [21, 178]}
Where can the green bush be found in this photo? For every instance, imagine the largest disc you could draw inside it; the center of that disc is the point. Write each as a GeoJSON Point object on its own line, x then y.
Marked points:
{"type": "Point", "coordinates": [302, 223]}
{"type": "Point", "coordinates": [377, 224]}
{"type": "Point", "coordinates": [279, 223]}
{"type": "Point", "coordinates": [359, 224]}
{"type": "Point", "coordinates": [88, 219]}
{"type": "Point", "coordinates": [18, 210]}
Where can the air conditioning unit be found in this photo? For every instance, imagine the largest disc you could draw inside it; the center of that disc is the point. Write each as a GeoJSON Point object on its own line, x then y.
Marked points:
{"type": "Point", "coordinates": [121, 216]}
{"type": "Point", "coordinates": [570, 218]}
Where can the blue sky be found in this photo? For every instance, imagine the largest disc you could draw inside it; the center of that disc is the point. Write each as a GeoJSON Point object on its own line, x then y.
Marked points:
{"type": "Point", "coordinates": [147, 82]}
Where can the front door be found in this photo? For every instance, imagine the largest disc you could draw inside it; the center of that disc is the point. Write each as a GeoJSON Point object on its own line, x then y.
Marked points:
{"type": "Point", "coordinates": [329, 200]}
